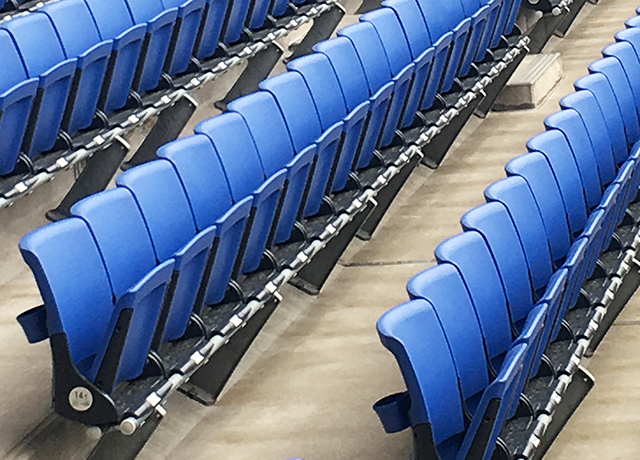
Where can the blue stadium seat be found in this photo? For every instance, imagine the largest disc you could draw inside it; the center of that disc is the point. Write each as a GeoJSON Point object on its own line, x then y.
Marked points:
{"type": "Point", "coordinates": [17, 92]}
{"type": "Point", "coordinates": [114, 22]}
{"type": "Point", "coordinates": [212, 23]}
{"type": "Point", "coordinates": [44, 58]}
{"type": "Point", "coordinates": [598, 85]}
{"type": "Point", "coordinates": [372, 55]}
{"type": "Point", "coordinates": [553, 145]}
{"type": "Point", "coordinates": [516, 196]}
{"type": "Point", "coordinates": [303, 123]}
{"type": "Point", "coordinates": [157, 191]}
{"type": "Point", "coordinates": [69, 270]}
{"type": "Point", "coordinates": [160, 25]}
{"type": "Point", "coordinates": [353, 81]}
{"type": "Point", "coordinates": [614, 73]}
{"type": "Point", "coordinates": [422, 53]}
{"type": "Point", "coordinates": [442, 287]}
{"type": "Point", "coordinates": [185, 33]}
{"type": "Point", "coordinates": [585, 104]}
{"type": "Point", "coordinates": [568, 122]}
{"type": "Point", "coordinates": [229, 134]}
{"type": "Point", "coordinates": [276, 151]}
{"type": "Point", "coordinates": [413, 334]}
{"type": "Point", "coordinates": [323, 85]}
{"type": "Point", "coordinates": [535, 170]}
{"type": "Point", "coordinates": [398, 54]}
{"type": "Point", "coordinates": [80, 40]}
{"type": "Point", "coordinates": [207, 190]}
{"type": "Point", "coordinates": [235, 20]}
{"type": "Point", "coordinates": [625, 54]}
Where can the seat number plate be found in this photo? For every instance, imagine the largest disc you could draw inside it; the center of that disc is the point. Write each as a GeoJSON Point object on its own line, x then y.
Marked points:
{"type": "Point", "coordinates": [80, 399]}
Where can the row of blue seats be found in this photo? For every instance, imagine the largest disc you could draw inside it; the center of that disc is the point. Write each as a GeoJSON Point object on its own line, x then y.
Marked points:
{"type": "Point", "coordinates": [71, 58]}
{"type": "Point", "coordinates": [244, 194]}
{"type": "Point", "coordinates": [493, 334]}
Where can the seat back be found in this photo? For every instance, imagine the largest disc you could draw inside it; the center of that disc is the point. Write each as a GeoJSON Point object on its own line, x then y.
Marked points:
{"type": "Point", "coordinates": [118, 226]}
{"type": "Point", "coordinates": [202, 176]}
{"type": "Point", "coordinates": [111, 18]}
{"type": "Point", "coordinates": [468, 252]}
{"type": "Point", "coordinates": [623, 51]}
{"type": "Point", "coordinates": [585, 104]}
{"type": "Point", "coordinates": [613, 71]}
{"type": "Point", "coordinates": [535, 170]}
{"type": "Point", "coordinates": [413, 334]}
{"type": "Point", "coordinates": [492, 221]}
{"type": "Point", "coordinates": [443, 287]}
{"type": "Point", "coordinates": [74, 285]}
{"type": "Point", "coordinates": [553, 145]}
{"type": "Point", "coordinates": [598, 85]}
{"type": "Point", "coordinates": [163, 203]}
{"type": "Point", "coordinates": [516, 196]}
{"type": "Point", "coordinates": [568, 122]}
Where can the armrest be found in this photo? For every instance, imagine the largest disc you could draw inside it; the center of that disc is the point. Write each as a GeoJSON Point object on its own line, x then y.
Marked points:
{"type": "Point", "coordinates": [131, 35]}
{"type": "Point", "coordinates": [99, 51]}
{"type": "Point", "coordinates": [167, 17]}
{"type": "Point", "coordinates": [62, 70]}
{"type": "Point", "coordinates": [238, 212]}
{"type": "Point", "coordinates": [356, 115]}
{"type": "Point", "coordinates": [382, 95]}
{"type": "Point", "coordinates": [331, 134]}
{"type": "Point", "coordinates": [201, 242]}
{"type": "Point", "coordinates": [190, 6]}
{"type": "Point", "coordinates": [155, 278]}
{"type": "Point", "coordinates": [21, 91]}
{"type": "Point", "coordinates": [272, 185]}
{"type": "Point", "coordinates": [404, 75]}
{"type": "Point", "coordinates": [34, 324]}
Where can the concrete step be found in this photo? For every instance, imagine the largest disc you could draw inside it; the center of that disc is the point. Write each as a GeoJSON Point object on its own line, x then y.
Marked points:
{"type": "Point", "coordinates": [536, 76]}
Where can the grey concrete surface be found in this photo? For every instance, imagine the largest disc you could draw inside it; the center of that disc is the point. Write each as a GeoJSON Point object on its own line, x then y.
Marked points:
{"type": "Point", "coordinates": [307, 385]}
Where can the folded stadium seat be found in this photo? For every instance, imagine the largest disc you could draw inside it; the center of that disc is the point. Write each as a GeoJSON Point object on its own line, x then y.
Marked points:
{"type": "Point", "coordinates": [614, 73]}
{"type": "Point", "coordinates": [586, 106]}
{"type": "Point", "coordinates": [323, 84]}
{"type": "Point", "coordinates": [80, 40]}
{"type": "Point", "coordinates": [257, 15]}
{"type": "Point", "coordinates": [205, 183]}
{"type": "Point", "coordinates": [246, 177]}
{"type": "Point", "coordinates": [399, 57]}
{"type": "Point", "coordinates": [432, 405]}
{"type": "Point", "coordinates": [353, 82]}
{"type": "Point", "coordinates": [377, 69]}
{"type": "Point", "coordinates": [466, 252]}
{"type": "Point", "coordinates": [444, 288]}
{"type": "Point", "coordinates": [44, 58]}
{"type": "Point", "coordinates": [213, 18]}
{"type": "Point", "coordinates": [494, 223]}
{"type": "Point", "coordinates": [276, 151]}
{"type": "Point", "coordinates": [114, 23]}
{"type": "Point", "coordinates": [534, 168]}
{"type": "Point", "coordinates": [422, 53]}
{"type": "Point", "coordinates": [185, 34]}
{"type": "Point", "coordinates": [303, 124]}
{"type": "Point", "coordinates": [234, 21]}
{"type": "Point", "coordinates": [493, 11]}
{"type": "Point", "coordinates": [478, 15]}
{"type": "Point", "coordinates": [133, 237]}
{"type": "Point", "coordinates": [106, 347]}
{"type": "Point", "coordinates": [447, 18]}
{"type": "Point", "coordinates": [598, 85]}
{"type": "Point", "coordinates": [623, 51]}
{"type": "Point", "coordinates": [17, 92]}
{"type": "Point", "coordinates": [515, 194]}
{"type": "Point", "coordinates": [160, 24]}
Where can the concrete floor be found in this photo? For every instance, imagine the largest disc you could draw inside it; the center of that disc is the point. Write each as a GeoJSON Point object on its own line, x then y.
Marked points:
{"type": "Point", "coordinates": [307, 385]}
